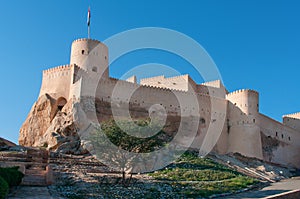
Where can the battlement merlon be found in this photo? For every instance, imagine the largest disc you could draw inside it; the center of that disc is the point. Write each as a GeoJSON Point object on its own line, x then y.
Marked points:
{"type": "Point", "coordinates": [292, 115]}
{"type": "Point", "coordinates": [292, 120]}
{"type": "Point", "coordinates": [58, 69]}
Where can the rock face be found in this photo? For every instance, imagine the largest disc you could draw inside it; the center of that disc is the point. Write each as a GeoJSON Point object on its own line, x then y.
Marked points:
{"type": "Point", "coordinates": [50, 124]}
{"type": "Point", "coordinates": [6, 143]}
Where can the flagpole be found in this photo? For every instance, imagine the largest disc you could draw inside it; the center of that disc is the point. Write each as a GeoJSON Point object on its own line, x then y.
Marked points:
{"type": "Point", "coordinates": [89, 32]}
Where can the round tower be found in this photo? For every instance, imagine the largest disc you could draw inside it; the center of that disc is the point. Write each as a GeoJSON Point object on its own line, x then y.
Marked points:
{"type": "Point", "coordinates": [246, 100]}
{"type": "Point", "coordinates": [243, 123]}
{"type": "Point", "coordinates": [90, 55]}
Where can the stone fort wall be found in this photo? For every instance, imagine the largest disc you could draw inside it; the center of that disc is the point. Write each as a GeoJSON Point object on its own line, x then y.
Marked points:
{"type": "Point", "coordinates": [57, 81]}
{"type": "Point", "coordinates": [292, 120]}
{"type": "Point", "coordinates": [245, 130]}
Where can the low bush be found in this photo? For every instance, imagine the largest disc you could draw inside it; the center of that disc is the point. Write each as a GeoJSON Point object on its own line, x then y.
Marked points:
{"type": "Point", "coordinates": [3, 188]}
{"type": "Point", "coordinates": [11, 175]}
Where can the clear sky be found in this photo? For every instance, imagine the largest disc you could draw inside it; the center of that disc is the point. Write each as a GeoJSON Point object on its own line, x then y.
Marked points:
{"type": "Point", "coordinates": [255, 44]}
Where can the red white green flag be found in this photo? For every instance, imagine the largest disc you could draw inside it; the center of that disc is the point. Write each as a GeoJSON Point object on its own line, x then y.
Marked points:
{"type": "Point", "coordinates": [89, 17]}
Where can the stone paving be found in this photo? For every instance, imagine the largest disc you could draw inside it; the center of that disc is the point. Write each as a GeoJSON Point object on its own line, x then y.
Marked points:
{"type": "Point", "coordinates": [273, 189]}
{"type": "Point", "coordinates": [31, 192]}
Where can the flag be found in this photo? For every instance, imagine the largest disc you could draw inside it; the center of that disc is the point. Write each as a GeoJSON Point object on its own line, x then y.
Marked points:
{"type": "Point", "coordinates": [89, 17]}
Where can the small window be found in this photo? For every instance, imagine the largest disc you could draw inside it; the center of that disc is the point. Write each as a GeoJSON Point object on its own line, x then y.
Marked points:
{"type": "Point", "coordinates": [282, 136]}
{"type": "Point", "coordinates": [94, 69]}
{"type": "Point", "coordinates": [253, 120]}
{"type": "Point", "coordinates": [82, 52]}
{"type": "Point", "coordinates": [202, 121]}
{"type": "Point", "coordinates": [289, 138]}
{"type": "Point", "coordinates": [276, 134]}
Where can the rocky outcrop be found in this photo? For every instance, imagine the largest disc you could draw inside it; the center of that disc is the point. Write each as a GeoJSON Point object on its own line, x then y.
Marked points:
{"type": "Point", "coordinates": [6, 143]}
{"type": "Point", "coordinates": [50, 124]}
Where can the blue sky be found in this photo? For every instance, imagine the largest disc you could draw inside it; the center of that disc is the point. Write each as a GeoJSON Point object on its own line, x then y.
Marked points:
{"type": "Point", "coordinates": [255, 44]}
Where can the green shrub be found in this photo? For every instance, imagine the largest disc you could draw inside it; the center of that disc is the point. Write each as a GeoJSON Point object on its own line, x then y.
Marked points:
{"type": "Point", "coordinates": [120, 138]}
{"type": "Point", "coordinates": [3, 188]}
{"type": "Point", "coordinates": [11, 175]}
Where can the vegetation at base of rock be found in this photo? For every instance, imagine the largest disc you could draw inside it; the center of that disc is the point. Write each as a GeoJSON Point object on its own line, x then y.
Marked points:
{"type": "Point", "coordinates": [192, 176]}
{"type": "Point", "coordinates": [189, 176]}
{"type": "Point", "coordinates": [11, 175]}
{"type": "Point", "coordinates": [3, 188]}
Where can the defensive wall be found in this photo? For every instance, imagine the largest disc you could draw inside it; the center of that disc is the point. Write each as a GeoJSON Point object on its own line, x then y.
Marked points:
{"type": "Point", "coordinates": [245, 130]}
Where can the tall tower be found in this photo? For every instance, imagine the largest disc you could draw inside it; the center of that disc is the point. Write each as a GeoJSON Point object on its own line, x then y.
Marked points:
{"type": "Point", "coordinates": [244, 125]}
{"type": "Point", "coordinates": [91, 56]}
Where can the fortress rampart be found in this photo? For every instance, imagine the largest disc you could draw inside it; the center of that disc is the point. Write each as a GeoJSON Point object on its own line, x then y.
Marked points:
{"type": "Point", "coordinates": [57, 81]}
{"type": "Point", "coordinates": [292, 120]}
{"type": "Point", "coordinates": [245, 130]}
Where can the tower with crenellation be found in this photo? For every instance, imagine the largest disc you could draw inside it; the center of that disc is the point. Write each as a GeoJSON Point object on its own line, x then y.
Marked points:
{"type": "Point", "coordinates": [245, 131]}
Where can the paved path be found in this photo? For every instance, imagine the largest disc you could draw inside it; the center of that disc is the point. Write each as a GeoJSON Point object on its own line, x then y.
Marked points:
{"type": "Point", "coordinates": [29, 192]}
{"type": "Point", "coordinates": [273, 189]}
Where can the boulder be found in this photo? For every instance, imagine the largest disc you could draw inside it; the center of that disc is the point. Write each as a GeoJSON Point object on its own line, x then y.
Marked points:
{"type": "Point", "coordinates": [51, 126]}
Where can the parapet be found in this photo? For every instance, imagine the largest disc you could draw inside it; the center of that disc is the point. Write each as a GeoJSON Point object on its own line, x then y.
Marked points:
{"type": "Point", "coordinates": [243, 91]}
{"type": "Point", "coordinates": [58, 68]}
{"type": "Point", "coordinates": [85, 39]}
{"type": "Point", "coordinates": [293, 115]}
{"type": "Point", "coordinates": [216, 84]}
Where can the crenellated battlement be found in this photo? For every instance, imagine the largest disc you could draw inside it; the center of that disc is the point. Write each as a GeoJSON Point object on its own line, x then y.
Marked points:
{"type": "Point", "coordinates": [243, 91]}
{"type": "Point", "coordinates": [156, 88]}
{"type": "Point", "coordinates": [85, 39]}
{"type": "Point", "coordinates": [293, 115]}
{"type": "Point", "coordinates": [58, 68]}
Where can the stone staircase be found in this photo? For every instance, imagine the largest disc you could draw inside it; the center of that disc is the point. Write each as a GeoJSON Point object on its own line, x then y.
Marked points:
{"type": "Point", "coordinates": [36, 175]}
{"type": "Point", "coordinates": [34, 164]}
{"type": "Point", "coordinates": [39, 172]}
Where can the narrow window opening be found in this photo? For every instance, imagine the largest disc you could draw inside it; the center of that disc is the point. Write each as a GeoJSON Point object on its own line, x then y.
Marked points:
{"type": "Point", "coordinates": [82, 52]}
{"type": "Point", "coordinates": [202, 121]}
{"type": "Point", "coordinates": [94, 69]}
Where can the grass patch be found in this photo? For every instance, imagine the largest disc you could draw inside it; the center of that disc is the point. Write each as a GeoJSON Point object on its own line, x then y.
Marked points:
{"type": "Point", "coordinates": [180, 174]}
{"type": "Point", "coordinates": [193, 176]}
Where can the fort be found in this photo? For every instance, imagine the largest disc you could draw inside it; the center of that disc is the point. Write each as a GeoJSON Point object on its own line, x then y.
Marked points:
{"type": "Point", "coordinates": [245, 130]}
